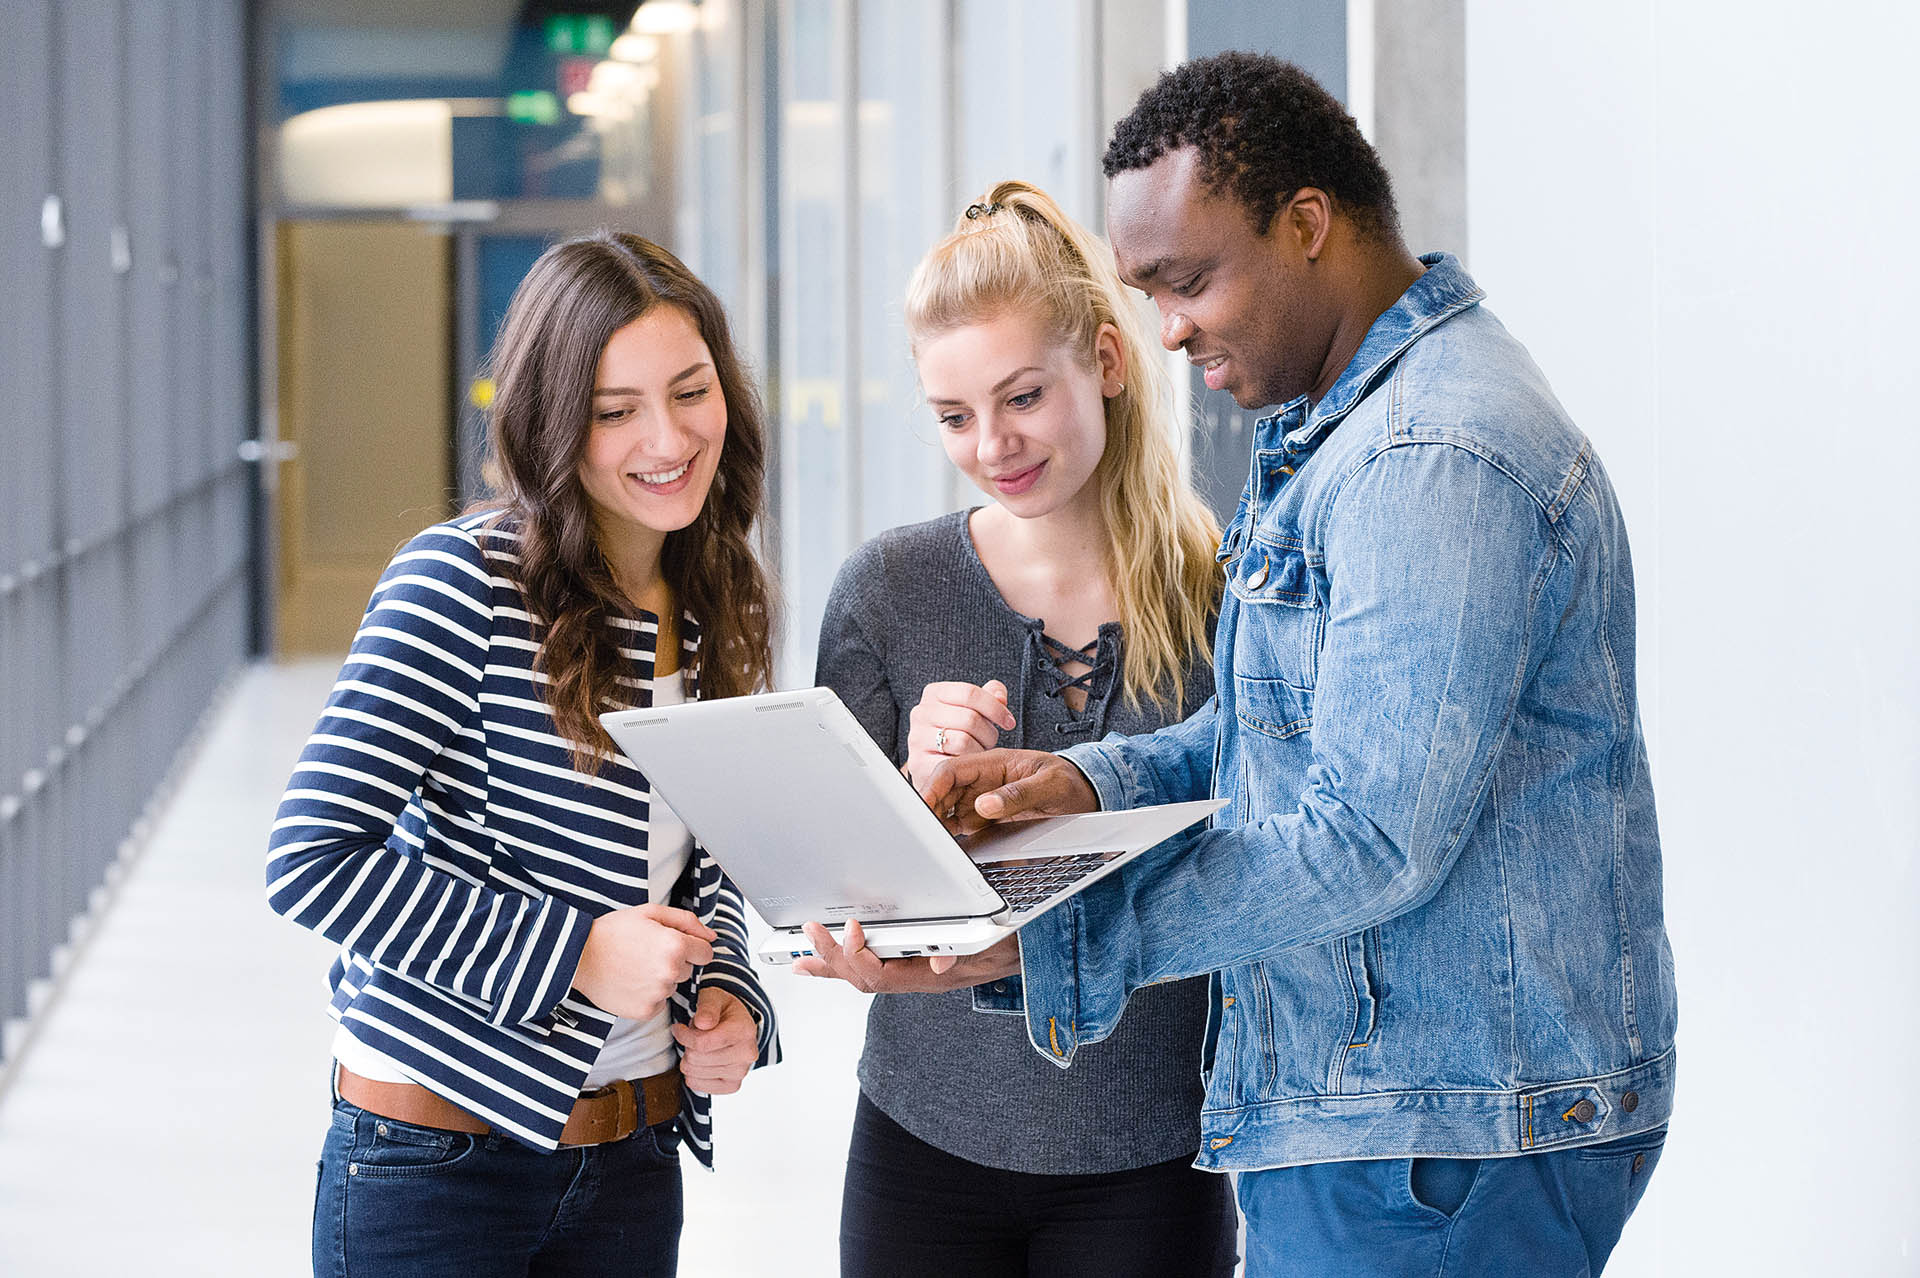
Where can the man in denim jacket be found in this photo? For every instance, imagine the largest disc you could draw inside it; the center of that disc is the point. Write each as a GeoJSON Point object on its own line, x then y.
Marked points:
{"type": "Point", "coordinates": [1443, 1024]}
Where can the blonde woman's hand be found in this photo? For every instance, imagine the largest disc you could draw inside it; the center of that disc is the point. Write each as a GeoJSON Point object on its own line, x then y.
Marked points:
{"type": "Point", "coordinates": [635, 958]}
{"type": "Point", "coordinates": [851, 961]}
{"type": "Point", "coordinates": [953, 719]}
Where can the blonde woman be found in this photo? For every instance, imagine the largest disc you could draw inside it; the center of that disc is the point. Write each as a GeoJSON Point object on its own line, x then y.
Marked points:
{"type": "Point", "coordinates": [1078, 602]}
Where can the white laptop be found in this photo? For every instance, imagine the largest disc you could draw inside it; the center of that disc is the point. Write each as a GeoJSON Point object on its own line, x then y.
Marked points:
{"type": "Point", "coordinates": [814, 824]}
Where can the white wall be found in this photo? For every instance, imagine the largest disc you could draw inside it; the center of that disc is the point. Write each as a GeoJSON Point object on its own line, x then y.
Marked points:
{"type": "Point", "coordinates": [1701, 217]}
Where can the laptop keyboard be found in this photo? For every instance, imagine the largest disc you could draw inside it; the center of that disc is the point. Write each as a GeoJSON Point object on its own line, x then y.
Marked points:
{"type": "Point", "coordinates": [1027, 883]}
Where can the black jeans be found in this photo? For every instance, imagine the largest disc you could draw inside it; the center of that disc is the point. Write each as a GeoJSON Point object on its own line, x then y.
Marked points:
{"type": "Point", "coordinates": [910, 1208]}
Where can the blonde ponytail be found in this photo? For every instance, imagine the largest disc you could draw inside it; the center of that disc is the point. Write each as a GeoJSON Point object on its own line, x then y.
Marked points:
{"type": "Point", "coordinates": [1016, 249]}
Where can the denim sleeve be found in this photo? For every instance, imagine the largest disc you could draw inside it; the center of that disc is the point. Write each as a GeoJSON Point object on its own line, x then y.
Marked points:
{"type": "Point", "coordinates": [1440, 572]}
{"type": "Point", "coordinates": [1172, 765]}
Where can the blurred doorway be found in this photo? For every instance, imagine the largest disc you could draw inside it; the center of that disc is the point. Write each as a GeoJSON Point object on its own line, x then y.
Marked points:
{"type": "Point", "coordinates": [414, 161]}
{"type": "Point", "coordinates": [365, 359]}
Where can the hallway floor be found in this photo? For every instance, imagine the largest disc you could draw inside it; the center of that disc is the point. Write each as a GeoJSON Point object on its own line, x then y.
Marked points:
{"type": "Point", "coordinates": [143, 1135]}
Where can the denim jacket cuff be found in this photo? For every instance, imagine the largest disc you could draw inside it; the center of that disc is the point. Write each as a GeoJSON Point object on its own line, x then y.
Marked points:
{"type": "Point", "coordinates": [1004, 997]}
{"type": "Point", "coordinates": [1100, 765]}
{"type": "Point", "coordinates": [1049, 951]}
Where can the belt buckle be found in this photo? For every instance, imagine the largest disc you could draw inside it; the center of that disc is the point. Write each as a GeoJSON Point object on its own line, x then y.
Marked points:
{"type": "Point", "coordinates": [626, 1111]}
{"type": "Point", "coordinates": [604, 1123]}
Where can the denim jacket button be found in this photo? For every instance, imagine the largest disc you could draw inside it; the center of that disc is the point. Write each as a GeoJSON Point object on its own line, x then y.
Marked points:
{"type": "Point", "coordinates": [1639, 1163]}
{"type": "Point", "coordinates": [999, 987]}
{"type": "Point", "coordinates": [1630, 1102]}
{"type": "Point", "coordinates": [1583, 1111]}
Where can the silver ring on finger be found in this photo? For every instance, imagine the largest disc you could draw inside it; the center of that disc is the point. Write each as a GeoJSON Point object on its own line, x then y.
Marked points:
{"type": "Point", "coordinates": [940, 741]}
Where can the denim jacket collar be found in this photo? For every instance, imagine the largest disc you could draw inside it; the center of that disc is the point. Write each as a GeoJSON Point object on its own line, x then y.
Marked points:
{"type": "Point", "coordinates": [1442, 291]}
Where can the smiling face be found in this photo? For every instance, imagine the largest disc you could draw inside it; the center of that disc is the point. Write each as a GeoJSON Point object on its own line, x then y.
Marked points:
{"type": "Point", "coordinates": [1021, 415]}
{"type": "Point", "coordinates": [1245, 306]}
{"type": "Point", "coordinates": [659, 422]}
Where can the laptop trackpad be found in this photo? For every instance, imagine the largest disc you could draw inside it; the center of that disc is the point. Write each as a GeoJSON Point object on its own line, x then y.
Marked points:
{"type": "Point", "coordinates": [1088, 832]}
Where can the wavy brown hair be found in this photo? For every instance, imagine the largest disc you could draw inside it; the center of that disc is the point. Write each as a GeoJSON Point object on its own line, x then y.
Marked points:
{"type": "Point", "coordinates": [578, 294]}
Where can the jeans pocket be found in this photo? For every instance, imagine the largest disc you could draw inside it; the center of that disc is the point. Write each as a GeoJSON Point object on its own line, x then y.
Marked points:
{"type": "Point", "coordinates": [386, 1148]}
{"type": "Point", "coordinates": [648, 1151]}
{"type": "Point", "coordinates": [1624, 1166]}
{"type": "Point", "coordinates": [1645, 1146]}
{"type": "Point", "coordinates": [666, 1140]}
{"type": "Point", "coordinates": [1441, 1186]}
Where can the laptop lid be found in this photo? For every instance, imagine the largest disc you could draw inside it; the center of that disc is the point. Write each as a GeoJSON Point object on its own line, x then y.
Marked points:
{"type": "Point", "coordinates": [853, 841]}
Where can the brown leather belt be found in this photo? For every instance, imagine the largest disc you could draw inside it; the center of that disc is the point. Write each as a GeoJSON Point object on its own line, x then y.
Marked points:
{"type": "Point", "coordinates": [613, 1112]}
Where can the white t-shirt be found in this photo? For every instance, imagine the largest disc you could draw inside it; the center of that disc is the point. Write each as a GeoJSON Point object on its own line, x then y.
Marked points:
{"type": "Point", "coordinates": [634, 1049]}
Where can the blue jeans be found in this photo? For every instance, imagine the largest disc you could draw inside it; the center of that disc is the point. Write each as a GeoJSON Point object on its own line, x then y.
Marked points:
{"type": "Point", "coordinates": [1551, 1215]}
{"type": "Point", "coordinates": [395, 1199]}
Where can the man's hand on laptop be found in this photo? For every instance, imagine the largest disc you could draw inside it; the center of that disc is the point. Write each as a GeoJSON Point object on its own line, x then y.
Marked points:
{"type": "Point", "coordinates": [970, 792]}
{"type": "Point", "coordinates": [861, 968]}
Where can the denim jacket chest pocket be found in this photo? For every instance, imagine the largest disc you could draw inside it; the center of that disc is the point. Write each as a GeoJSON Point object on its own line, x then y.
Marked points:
{"type": "Point", "coordinates": [1282, 611]}
{"type": "Point", "coordinates": [1270, 643]}
{"type": "Point", "coordinates": [1281, 619]}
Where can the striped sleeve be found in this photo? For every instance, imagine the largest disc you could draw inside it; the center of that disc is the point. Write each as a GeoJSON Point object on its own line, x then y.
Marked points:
{"type": "Point", "coordinates": [732, 970]}
{"type": "Point", "coordinates": [409, 688]}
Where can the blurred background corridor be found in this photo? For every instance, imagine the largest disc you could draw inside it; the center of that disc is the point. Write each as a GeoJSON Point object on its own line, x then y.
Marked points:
{"type": "Point", "coordinates": [253, 257]}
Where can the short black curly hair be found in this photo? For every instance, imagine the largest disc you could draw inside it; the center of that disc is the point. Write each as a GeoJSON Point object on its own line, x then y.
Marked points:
{"type": "Point", "coordinates": [1264, 129]}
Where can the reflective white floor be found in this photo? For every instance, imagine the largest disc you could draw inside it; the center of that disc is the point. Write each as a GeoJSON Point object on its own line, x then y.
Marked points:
{"type": "Point", "coordinates": [167, 1116]}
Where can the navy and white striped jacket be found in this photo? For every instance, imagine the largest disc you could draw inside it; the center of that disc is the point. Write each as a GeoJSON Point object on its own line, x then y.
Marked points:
{"type": "Point", "coordinates": [436, 828]}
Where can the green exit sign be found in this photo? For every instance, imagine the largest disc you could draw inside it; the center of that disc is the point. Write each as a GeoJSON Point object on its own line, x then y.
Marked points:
{"type": "Point", "coordinates": [588, 33]}
{"type": "Point", "coordinates": [534, 106]}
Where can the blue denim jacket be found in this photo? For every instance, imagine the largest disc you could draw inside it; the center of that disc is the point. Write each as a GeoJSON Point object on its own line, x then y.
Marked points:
{"type": "Point", "coordinates": [1433, 905]}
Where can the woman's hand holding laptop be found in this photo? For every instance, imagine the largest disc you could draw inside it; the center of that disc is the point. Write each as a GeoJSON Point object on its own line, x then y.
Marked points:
{"type": "Point", "coordinates": [861, 968]}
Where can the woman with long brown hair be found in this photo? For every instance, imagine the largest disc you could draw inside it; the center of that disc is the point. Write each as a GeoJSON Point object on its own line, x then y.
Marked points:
{"type": "Point", "coordinates": [542, 978]}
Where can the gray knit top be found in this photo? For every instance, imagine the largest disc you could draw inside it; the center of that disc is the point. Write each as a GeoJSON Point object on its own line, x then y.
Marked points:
{"type": "Point", "coordinates": [915, 606]}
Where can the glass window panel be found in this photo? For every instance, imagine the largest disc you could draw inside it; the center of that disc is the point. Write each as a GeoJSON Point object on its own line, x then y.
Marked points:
{"type": "Point", "coordinates": [816, 491]}
{"type": "Point", "coordinates": [904, 473]}
{"type": "Point", "coordinates": [1024, 103]}
{"type": "Point", "coordinates": [713, 218]}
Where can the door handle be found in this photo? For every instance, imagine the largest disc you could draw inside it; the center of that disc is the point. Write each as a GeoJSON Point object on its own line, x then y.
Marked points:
{"type": "Point", "coordinates": [263, 450]}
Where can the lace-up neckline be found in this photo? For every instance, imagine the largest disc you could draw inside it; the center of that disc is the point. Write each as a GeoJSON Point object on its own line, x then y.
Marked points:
{"type": "Point", "coordinates": [1099, 665]}
{"type": "Point", "coordinates": [1041, 671]}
